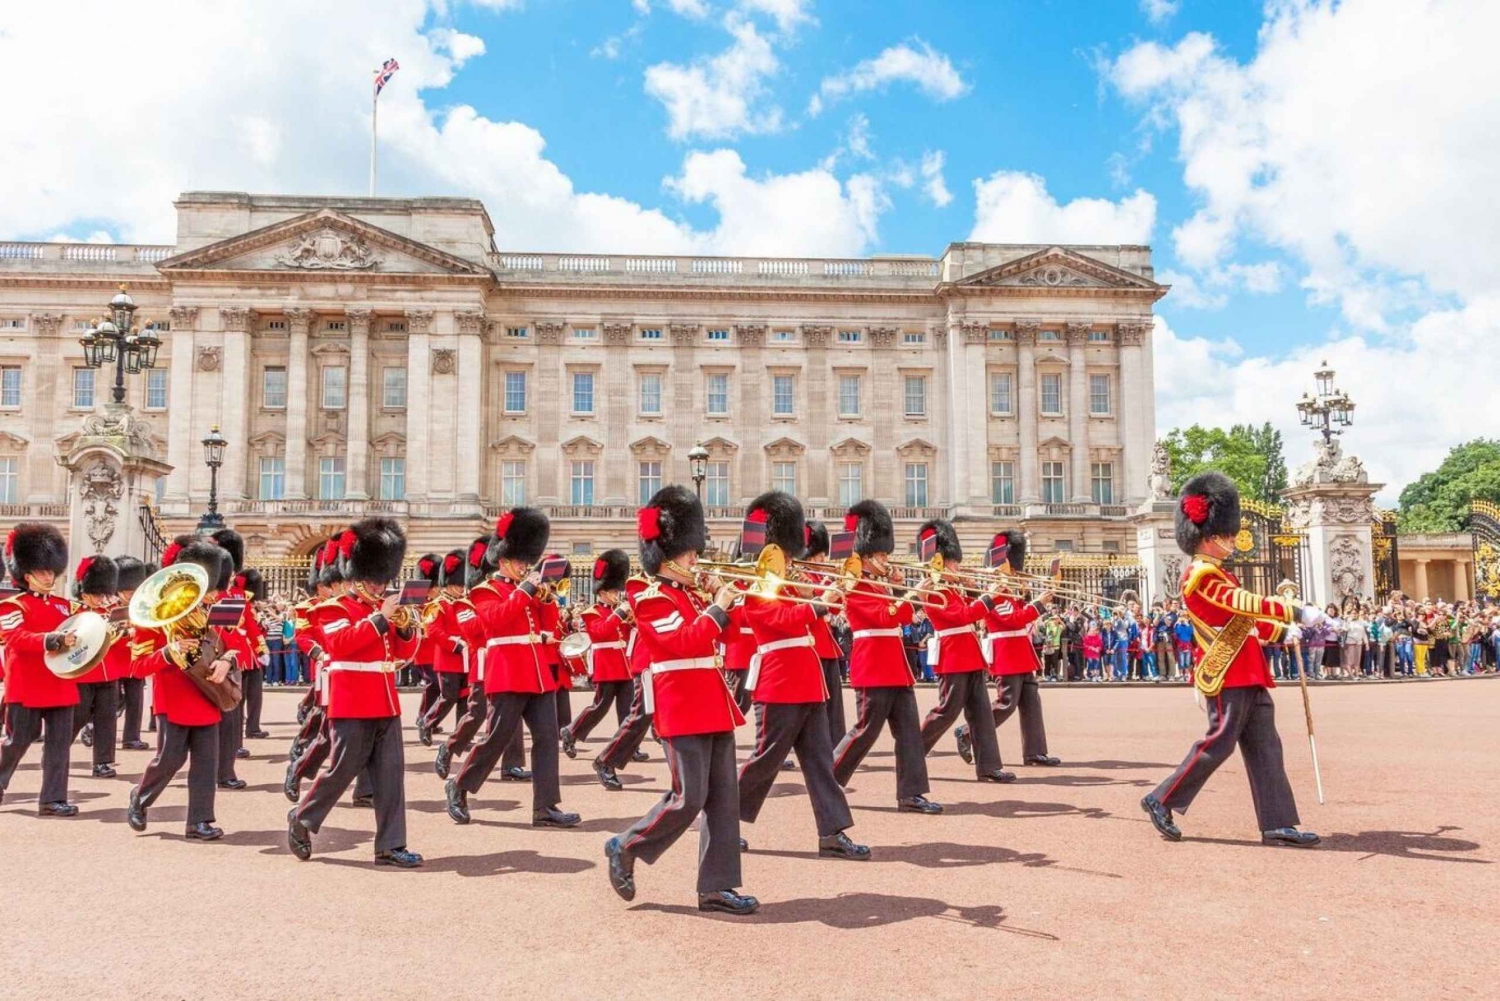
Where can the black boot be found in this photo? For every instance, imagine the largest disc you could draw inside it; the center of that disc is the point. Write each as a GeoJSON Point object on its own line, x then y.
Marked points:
{"type": "Point", "coordinates": [621, 868]}
{"type": "Point", "coordinates": [298, 837]}
{"type": "Point", "coordinates": [1042, 759]}
{"type": "Point", "coordinates": [398, 857]}
{"type": "Point", "coordinates": [458, 802]}
{"type": "Point", "coordinates": [424, 733]}
{"type": "Point", "coordinates": [607, 777]}
{"type": "Point", "coordinates": [103, 772]}
{"type": "Point", "coordinates": [569, 745]}
{"type": "Point", "coordinates": [1289, 836]}
{"type": "Point", "coordinates": [917, 804]}
{"type": "Point", "coordinates": [135, 814]}
{"type": "Point", "coordinates": [58, 809]}
{"type": "Point", "coordinates": [515, 773]}
{"type": "Point", "coordinates": [242, 752]}
{"type": "Point", "coordinates": [727, 902]}
{"type": "Point", "coordinates": [1161, 818]}
{"type": "Point", "coordinates": [203, 831]}
{"type": "Point", "coordinates": [839, 846]}
{"type": "Point", "coordinates": [553, 817]}
{"type": "Point", "coordinates": [965, 745]}
{"type": "Point", "coordinates": [640, 756]}
{"type": "Point", "coordinates": [235, 783]}
{"type": "Point", "coordinates": [291, 786]}
{"type": "Point", "coordinates": [998, 775]}
{"type": "Point", "coordinates": [443, 760]}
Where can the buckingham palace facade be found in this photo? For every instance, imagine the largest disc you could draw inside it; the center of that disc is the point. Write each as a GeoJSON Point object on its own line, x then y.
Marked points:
{"type": "Point", "coordinates": [370, 355]}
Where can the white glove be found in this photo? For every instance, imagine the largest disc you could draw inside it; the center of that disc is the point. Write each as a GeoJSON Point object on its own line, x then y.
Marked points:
{"type": "Point", "coordinates": [1310, 615]}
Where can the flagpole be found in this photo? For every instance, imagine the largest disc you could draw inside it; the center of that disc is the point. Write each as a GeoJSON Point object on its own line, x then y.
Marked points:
{"type": "Point", "coordinates": [374, 111]}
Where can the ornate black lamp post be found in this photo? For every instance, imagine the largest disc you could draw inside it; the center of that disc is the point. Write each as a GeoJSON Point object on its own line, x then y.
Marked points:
{"type": "Point", "coordinates": [1329, 413]}
{"type": "Point", "coordinates": [114, 340]}
{"type": "Point", "coordinates": [213, 454]}
{"type": "Point", "coordinates": [698, 467]}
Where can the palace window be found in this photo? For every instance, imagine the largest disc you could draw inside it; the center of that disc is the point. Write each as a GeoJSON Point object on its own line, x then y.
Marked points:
{"type": "Point", "coordinates": [513, 482]}
{"type": "Point", "coordinates": [783, 336]}
{"type": "Point", "coordinates": [650, 393]}
{"type": "Point", "coordinates": [582, 481]}
{"type": "Point", "coordinates": [1054, 486]}
{"type": "Point", "coordinates": [1048, 335]}
{"type": "Point", "coordinates": [1062, 545]}
{"type": "Point", "coordinates": [585, 334]}
{"type": "Point", "coordinates": [335, 387]}
{"type": "Point", "coordinates": [515, 392]}
{"type": "Point", "coordinates": [393, 479]}
{"type": "Point", "coordinates": [850, 336]}
{"type": "Point", "coordinates": [848, 396]}
{"type": "Point", "coordinates": [156, 389]}
{"type": "Point", "coordinates": [1052, 394]}
{"type": "Point", "coordinates": [395, 327]}
{"type": "Point", "coordinates": [651, 333]}
{"type": "Point", "coordinates": [719, 335]}
{"type": "Point", "coordinates": [1002, 483]}
{"type": "Point", "coordinates": [516, 333]}
{"type": "Point", "coordinates": [10, 386]}
{"type": "Point", "coordinates": [272, 477]}
{"type": "Point", "coordinates": [1001, 400]}
{"type": "Point", "coordinates": [718, 484]}
{"type": "Point", "coordinates": [275, 324]}
{"type": "Point", "coordinates": [784, 477]}
{"type": "Point", "coordinates": [1104, 482]}
{"type": "Point", "coordinates": [335, 325]}
{"type": "Point", "coordinates": [13, 323]}
{"type": "Point", "coordinates": [916, 396]}
{"type": "Point", "coordinates": [916, 484]}
{"type": "Point", "coordinates": [273, 387]}
{"type": "Point", "coordinates": [649, 476]}
{"type": "Point", "coordinates": [331, 477]}
{"type": "Point", "coordinates": [996, 334]}
{"type": "Point", "coordinates": [1112, 546]}
{"type": "Point", "coordinates": [10, 480]}
{"type": "Point", "coordinates": [393, 388]}
{"type": "Point", "coordinates": [913, 337]}
{"type": "Point", "coordinates": [1099, 395]}
{"type": "Point", "coordinates": [851, 483]}
{"type": "Point", "coordinates": [583, 392]}
{"type": "Point", "coordinates": [782, 395]}
{"type": "Point", "coordinates": [83, 388]}
{"type": "Point", "coordinates": [716, 396]}
{"type": "Point", "coordinates": [1099, 336]}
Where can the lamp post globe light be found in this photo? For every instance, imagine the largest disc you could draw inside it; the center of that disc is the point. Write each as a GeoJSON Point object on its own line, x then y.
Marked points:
{"type": "Point", "coordinates": [1331, 411]}
{"type": "Point", "coordinates": [698, 467]}
{"type": "Point", "coordinates": [114, 340]}
{"type": "Point", "coordinates": [213, 454]}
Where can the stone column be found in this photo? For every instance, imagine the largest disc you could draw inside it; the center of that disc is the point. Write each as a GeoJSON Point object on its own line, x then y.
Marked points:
{"type": "Point", "coordinates": [888, 405]}
{"type": "Point", "coordinates": [683, 424]}
{"type": "Point", "coordinates": [619, 411]}
{"type": "Point", "coordinates": [180, 444]}
{"type": "Point", "coordinates": [1461, 580]}
{"type": "Point", "coordinates": [1156, 547]}
{"type": "Point", "coordinates": [234, 412]}
{"type": "Point", "coordinates": [968, 409]}
{"type": "Point", "coordinates": [1422, 592]}
{"type": "Point", "coordinates": [298, 320]}
{"type": "Point", "coordinates": [1133, 429]}
{"type": "Point", "coordinates": [470, 326]}
{"type": "Point", "coordinates": [1330, 498]}
{"type": "Point", "coordinates": [754, 424]}
{"type": "Point", "coordinates": [1026, 407]}
{"type": "Point", "coordinates": [549, 405]}
{"type": "Point", "coordinates": [418, 404]}
{"type": "Point", "coordinates": [357, 468]}
{"type": "Point", "coordinates": [111, 470]}
{"type": "Point", "coordinates": [49, 389]}
{"type": "Point", "coordinates": [1078, 411]}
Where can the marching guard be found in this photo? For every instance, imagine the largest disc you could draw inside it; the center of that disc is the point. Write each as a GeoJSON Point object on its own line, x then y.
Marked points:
{"type": "Point", "coordinates": [608, 625]}
{"type": "Point", "coordinates": [477, 570]}
{"type": "Point", "coordinates": [35, 698]}
{"type": "Point", "coordinates": [366, 642]}
{"type": "Point", "coordinates": [695, 712]}
{"type": "Point", "coordinates": [824, 645]}
{"type": "Point", "coordinates": [96, 584]}
{"type": "Point", "coordinates": [1229, 625]}
{"type": "Point", "coordinates": [786, 681]}
{"type": "Point", "coordinates": [251, 586]}
{"type": "Point", "coordinates": [877, 667]}
{"type": "Point", "coordinates": [449, 648]}
{"type": "Point", "coordinates": [959, 662]}
{"type": "Point", "coordinates": [131, 572]}
{"type": "Point", "coordinates": [1013, 660]}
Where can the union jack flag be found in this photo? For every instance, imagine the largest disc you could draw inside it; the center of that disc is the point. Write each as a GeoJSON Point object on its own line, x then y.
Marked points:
{"type": "Point", "coordinates": [383, 75]}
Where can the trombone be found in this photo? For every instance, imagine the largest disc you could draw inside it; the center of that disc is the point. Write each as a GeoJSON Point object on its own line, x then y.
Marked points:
{"type": "Point", "coordinates": [971, 582]}
{"type": "Point", "coordinates": [766, 577]}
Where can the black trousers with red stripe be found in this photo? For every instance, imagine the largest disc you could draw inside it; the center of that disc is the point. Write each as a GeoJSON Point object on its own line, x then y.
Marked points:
{"type": "Point", "coordinates": [781, 728]}
{"type": "Point", "coordinates": [507, 711]}
{"type": "Point", "coordinates": [133, 695]}
{"type": "Point", "coordinates": [627, 739]}
{"type": "Point", "coordinates": [198, 748]}
{"type": "Point", "coordinates": [834, 682]}
{"type": "Point", "coordinates": [317, 750]}
{"type": "Point", "coordinates": [1245, 717]}
{"type": "Point", "coordinates": [737, 681]}
{"type": "Point", "coordinates": [449, 694]}
{"type": "Point", "coordinates": [97, 703]}
{"type": "Point", "coordinates": [1020, 691]}
{"type": "Point", "coordinates": [964, 693]}
{"type": "Point", "coordinates": [605, 693]}
{"type": "Point", "coordinates": [360, 748]}
{"type": "Point", "coordinates": [877, 707]}
{"type": "Point", "coordinates": [703, 781]}
{"type": "Point", "coordinates": [23, 727]}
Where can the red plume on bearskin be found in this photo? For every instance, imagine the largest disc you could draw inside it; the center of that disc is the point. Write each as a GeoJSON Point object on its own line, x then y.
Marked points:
{"type": "Point", "coordinates": [502, 525]}
{"type": "Point", "coordinates": [96, 575]}
{"type": "Point", "coordinates": [851, 522]}
{"type": "Point", "coordinates": [599, 568]}
{"type": "Point", "coordinates": [872, 528]}
{"type": "Point", "coordinates": [346, 544]}
{"type": "Point", "coordinates": [451, 563]}
{"type": "Point", "coordinates": [610, 570]}
{"type": "Point", "coordinates": [84, 565]}
{"type": "Point", "coordinates": [426, 565]}
{"type": "Point", "coordinates": [1210, 507]}
{"type": "Point", "coordinates": [169, 555]}
{"type": "Point", "coordinates": [1195, 506]}
{"type": "Point", "coordinates": [477, 549]}
{"type": "Point", "coordinates": [670, 525]}
{"type": "Point", "coordinates": [648, 523]}
{"type": "Point", "coordinates": [521, 534]}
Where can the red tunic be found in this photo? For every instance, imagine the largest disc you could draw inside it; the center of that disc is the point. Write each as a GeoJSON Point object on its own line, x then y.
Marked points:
{"type": "Point", "coordinates": [173, 693]}
{"type": "Point", "coordinates": [879, 657]}
{"type": "Point", "coordinates": [680, 636]}
{"type": "Point", "coordinates": [446, 637]}
{"type": "Point", "coordinates": [1010, 646]}
{"type": "Point", "coordinates": [609, 635]}
{"type": "Point", "coordinates": [738, 641]}
{"type": "Point", "coordinates": [513, 658]}
{"type": "Point", "coordinates": [824, 644]}
{"type": "Point", "coordinates": [550, 617]}
{"type": "Point", "coordinates": [1212, 596]}
{"type": "Point", "coordinates": [790, 669]}
{"type": "Point", "coordinates": [116, 662]}
{"type": "Point", "coordinates": [255, 636]}
{"type": "Point", "coordinates": [363, 657]}
{"type": "Point", "coordinates": [953, 624]}
{"type": "Point", "coordinates": [25, 621]}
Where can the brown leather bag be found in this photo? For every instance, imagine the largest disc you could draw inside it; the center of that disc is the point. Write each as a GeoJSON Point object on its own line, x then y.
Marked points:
{"type": "Point", "coordinates": [227, 694]}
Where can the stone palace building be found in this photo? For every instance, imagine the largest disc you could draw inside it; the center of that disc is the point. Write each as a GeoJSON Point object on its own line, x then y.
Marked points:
{"type": "Point", "coordinates": [370, 355]}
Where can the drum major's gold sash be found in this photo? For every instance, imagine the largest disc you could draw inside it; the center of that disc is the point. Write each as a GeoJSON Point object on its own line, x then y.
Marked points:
{"type": "Point", "coordinates": [1211, 670]}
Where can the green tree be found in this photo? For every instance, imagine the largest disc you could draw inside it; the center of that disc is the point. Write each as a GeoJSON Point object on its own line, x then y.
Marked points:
{"type": "Point", "coordinates": [1267, 441]}
{"type": "Point", "coordinates": [1439, 501]}
{"type": "Point", "coordinates": [1234, 453]}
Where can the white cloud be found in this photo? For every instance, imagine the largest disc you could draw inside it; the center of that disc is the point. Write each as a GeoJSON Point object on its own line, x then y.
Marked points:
{"type": "Point", "coordinates": [1188, 294]}
{"type": "Point", "coordinates": [788, 14]}
{"type": "Point", "coordinates": [1354, 140]}
{"type": "Point", "coordinates": [496, 5]}
{"type": "Point", "coordinates": [219, 121]}
{"type": "Point", "coordinates": [858, 137]}
{"type": "Point", "coordinates": [933, 185]}
{"type": "Point", "coordinates": [1014, 207]}
{"type": "Point", "coordinates": [1410, 407]}
{"type": "Point", "coordinates": [719, 97]}
{"type": "Point", "coordinates": [459, 46]}
{"type": "Point", "coordinates": [1158, 11]}
{"type": "Point", "coordinates": [1212, 292]}
{"type": "Point", "coordinates": [696, 10]}
{"type": "Point", "coordinates": [929, 70]}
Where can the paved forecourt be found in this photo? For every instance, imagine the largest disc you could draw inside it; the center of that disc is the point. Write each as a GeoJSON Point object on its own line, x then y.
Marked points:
{"type": "Point", "coordinates": [1053, 886]}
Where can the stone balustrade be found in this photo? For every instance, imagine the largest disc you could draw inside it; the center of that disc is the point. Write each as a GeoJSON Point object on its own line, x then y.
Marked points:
{"type": "Point", "coordinates": [555, 267]}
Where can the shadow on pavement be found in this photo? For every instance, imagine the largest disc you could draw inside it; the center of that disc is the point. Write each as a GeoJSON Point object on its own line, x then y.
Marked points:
{"type": "Point", "coordinates": [947, 855]}
{"type": "Point", "coordinates": [1008, 809]}
{"type": "Point", "coordinates": [506, 863]}
{"type": "Point", "coordinates": [853, 911]}
{"type": "Point", "coordinates": [1421, 845]}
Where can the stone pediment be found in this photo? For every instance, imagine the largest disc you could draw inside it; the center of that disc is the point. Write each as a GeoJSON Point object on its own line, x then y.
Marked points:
{"type": "Point", "coordinates": [785, 447]}
{"type": "Point", "coordinates": [719, 445]}
{"type": "Point", "coordinates": [582, 443]}
{"type": "Point", "coordinates": [1058, 269]}
{"type": "Point", "coordinates": [850, 446]}
{"type": "Point", "coordinates": [322, 244]}
{"type": "Point", "coordinates": [650, 447]}
{"type": "Point", "coordinates": [513, 445]}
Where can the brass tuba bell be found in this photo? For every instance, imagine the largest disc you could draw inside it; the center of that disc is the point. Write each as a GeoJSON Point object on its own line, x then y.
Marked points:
{"type": "Point", "coordinates": [171, 600]}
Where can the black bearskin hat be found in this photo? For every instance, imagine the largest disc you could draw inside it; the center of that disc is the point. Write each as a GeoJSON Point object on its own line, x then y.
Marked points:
{"type": "Point", "coordinates": [233, 543]}
{"type": "Point", "coordinates": [610, 570]}
{"type": "Point", "coordinates": [521, 534]}
{"type": "Point", "coordinates": [330, 570]}
{"type": "Point", "coordinates": [1209, 506]}
{"type": "Point", "coordinates": [33, 546]}
{"type": "Point", "coordinates": [871, 524]}
{"type": "Point", "coordinates": [96, 575]}
{"type": "Point", "coordinates": [252, 583]}
{"type": "Point", "coordinates": [131, 572]}
{"type": "Point", "coordinates": [478, 562]}
{"type": "Point", "coordinates": [1013, 542]}
{"type": "Point", "coordinates": [669, 525]}
{"type": "Point", "coordinates": [372, 550]}
{"type": "Point", "coordinates": [199, 552]}
{"type": "Point", "coordinates": [817, 539]}
{"type": "Point", "coordinates": [430, 568]}
{"type": "Point", "coordinates": [947, 540]}
{"type": "Point", "coordinates": [451, 571]}
{"type": "Point", "coordinates": [785, 525]}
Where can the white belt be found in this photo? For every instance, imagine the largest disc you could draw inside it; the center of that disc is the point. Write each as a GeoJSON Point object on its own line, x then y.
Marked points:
{"type": "Point", "coordinates": [611, 645]}
{"type": "Point", "coordinates": [955, 631]}
{"type": "Point", "coordinates": [752, 677]}
{"type": "Point", "coordinates": [684, 664]}
{"type": "Point", "coordinates": [528, 638]}
{"type": "Point", "coordinates": [1008, 634]}
{"type": "Point", "coordinates": [362, 666]}
{"type": "Point", "coordinates": [866, 634]}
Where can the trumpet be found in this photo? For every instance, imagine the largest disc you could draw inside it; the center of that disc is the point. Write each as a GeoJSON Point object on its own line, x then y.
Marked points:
{"type": "Point", "coordinates": [854, 568]}
{"type": "Point", "coordinates": [1071, 591]}
{"type": "Point", "coordinates": [971, 582]}
{"type": "Point", "coordinates": [770, 573]}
